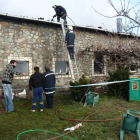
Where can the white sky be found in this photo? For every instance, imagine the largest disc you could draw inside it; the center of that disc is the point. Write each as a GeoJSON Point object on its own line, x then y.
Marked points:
{"type": "Point", "coordinates": [80, 11]}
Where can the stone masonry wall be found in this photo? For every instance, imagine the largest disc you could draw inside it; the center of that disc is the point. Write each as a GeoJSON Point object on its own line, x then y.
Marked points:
{"type": "Point", "coordinates": [40, 43]}
{"type": "Point", "coordinates": [103, 40]}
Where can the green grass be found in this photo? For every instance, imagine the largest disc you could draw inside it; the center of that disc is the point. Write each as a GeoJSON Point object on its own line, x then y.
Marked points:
{"type": "Point", "coordinates": [11, 124]}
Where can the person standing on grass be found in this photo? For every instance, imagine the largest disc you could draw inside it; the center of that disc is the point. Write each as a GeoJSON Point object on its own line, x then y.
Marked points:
{"type": "Point", "coordinates": [37, 81]}
{"type": "Point", "coordinates": [49, 86]}
{"type": "Point", "coordinates": [6, 84]}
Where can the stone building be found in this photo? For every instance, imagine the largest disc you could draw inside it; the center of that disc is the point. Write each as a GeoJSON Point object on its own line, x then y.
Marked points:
{"type": "Point", "coordinates": [34, 42]}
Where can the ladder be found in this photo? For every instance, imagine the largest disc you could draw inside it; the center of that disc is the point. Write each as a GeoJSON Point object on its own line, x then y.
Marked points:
{"type": "Point", "coordinates": [72, 62]}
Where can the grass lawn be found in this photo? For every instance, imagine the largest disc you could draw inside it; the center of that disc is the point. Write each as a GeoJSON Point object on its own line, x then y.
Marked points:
{"type": "Point", "coordinates": [11, 124]}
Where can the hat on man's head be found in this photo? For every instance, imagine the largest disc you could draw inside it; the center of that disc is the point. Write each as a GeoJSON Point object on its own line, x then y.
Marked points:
{"type": "Point", "coordinates": [47, 67]}
{"type": "Point", "coordinates": [70, 27]}
{"type": "Point", "coordinates": [53, 6]}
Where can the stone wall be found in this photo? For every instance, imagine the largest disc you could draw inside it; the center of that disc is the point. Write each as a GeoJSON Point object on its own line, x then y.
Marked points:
{"type": "Point", "coordinates": [41, 42]}
{"type": "Point", "coordinates": [38, 43]}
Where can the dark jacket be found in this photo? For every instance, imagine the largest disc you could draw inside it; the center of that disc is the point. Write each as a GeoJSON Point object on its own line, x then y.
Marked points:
{"type": "Point", "coordinates": [9, 74]}
{"type": "Point", "coordinates": [49, 82]}
{"type": "Point", "coordinates": [70, 37]}
{"type": "Point", "coordinates": [66, 36]}
{"type": "Point", "coordinates": [60, 11]}
{"type": "Point", "coordinates": [36, 80]}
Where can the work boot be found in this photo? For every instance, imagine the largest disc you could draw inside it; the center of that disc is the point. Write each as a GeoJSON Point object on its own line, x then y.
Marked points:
{"type": "Point", "coordinates": [32, 110]}
{"type": "Point", "coordinates": [14, 111]}
{"type": "Point", "coordinates": [72, 56]}
{"type": "Point", "coordinates": [65, 24]}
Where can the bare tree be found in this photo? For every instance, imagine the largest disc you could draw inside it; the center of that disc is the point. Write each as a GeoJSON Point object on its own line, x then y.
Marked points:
{"type": "Point", "coordinates": [119, 50]}
{"type": "Point", "coordinates": [130, 13]}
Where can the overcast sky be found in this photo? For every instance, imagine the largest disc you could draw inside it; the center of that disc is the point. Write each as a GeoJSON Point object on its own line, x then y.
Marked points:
{"type": "Point", "coordinates": [80, 11]}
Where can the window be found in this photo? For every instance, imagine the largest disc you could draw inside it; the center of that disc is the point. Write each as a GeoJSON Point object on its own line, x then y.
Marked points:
{"type": "Point", "coordinates": [61, 67]}
{"type": "Point", "coordinates": [133, 69]}
{"type": "Point", "coordinates": [22, 66]}
{"type": "Point", "coordinates": [29, 69]}
{"type": "Point", "coordinates": [98, 64]}
{"type": "Point", "coordinates": [134, 65]}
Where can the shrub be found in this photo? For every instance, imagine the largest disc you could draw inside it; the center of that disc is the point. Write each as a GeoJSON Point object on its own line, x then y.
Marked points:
{"type": "Point", "coordinates": [119, 89]}
{"type": "Point", "coordinates": [78, 92]}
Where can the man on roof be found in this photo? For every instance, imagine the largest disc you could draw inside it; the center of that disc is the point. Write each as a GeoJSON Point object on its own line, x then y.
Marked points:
{"type": "Point", "coordinates": [60, 12]}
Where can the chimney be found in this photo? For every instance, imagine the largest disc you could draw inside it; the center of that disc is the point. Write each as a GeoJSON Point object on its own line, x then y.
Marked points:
{"type": "Point", "coordinates": [119, 25]}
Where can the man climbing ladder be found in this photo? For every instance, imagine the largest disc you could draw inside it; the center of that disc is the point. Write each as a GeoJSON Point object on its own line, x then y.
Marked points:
{"type": "Point", "coordinates": [70, 37]}
{"type": "Point", "coordinates": [69, 40]}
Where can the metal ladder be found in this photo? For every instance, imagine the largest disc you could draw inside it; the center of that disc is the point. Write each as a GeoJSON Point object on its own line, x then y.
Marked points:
{"type": "Point", "coordinates": [72, 63]}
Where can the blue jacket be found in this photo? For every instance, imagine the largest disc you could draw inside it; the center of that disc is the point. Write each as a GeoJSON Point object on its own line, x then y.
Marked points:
{"type": "Point", "coordinates": [66, 36]}
{"type": "Point", "coordinates": [70, 37]}
{"type": "Point", "coordinates": [60, 10]}
{"type": "Point", "coordinates": [49, 82]}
